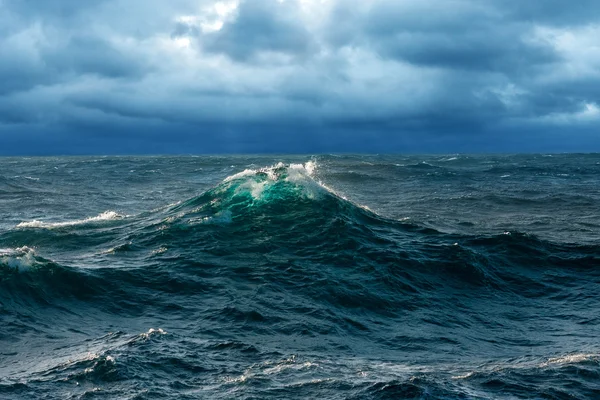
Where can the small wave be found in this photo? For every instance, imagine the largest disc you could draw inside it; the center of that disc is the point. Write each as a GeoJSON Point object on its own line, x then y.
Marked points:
{"type": "Point", "coordinates": [29, 178]}
{"type": "Point", "coordinates": [84, 359]}
{"type": "Point", "coordinates": [524, 365]}
{"type": "Point", "coordinates": [571, 359]}
{"type": "Point", "coordinates": [422, 165]}
{"type": "Point", "coordinates": [448, 159]}
{"type": "Point", "coordinates": [105, 216]}
{"type": "Point", "coordinates": [160, 250]}
{"type": "Point", "coordinates": [153, 332]}
{"type": "Point", "coordinates": [20, 259]}
{"type": "Point", "coordinates": [270, 368]}
{"type": "Point", "coordinates": [117, 249]}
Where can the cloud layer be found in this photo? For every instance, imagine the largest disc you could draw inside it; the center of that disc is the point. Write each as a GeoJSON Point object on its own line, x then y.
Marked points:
{"type": "Point", "coordinates": [195, 76]}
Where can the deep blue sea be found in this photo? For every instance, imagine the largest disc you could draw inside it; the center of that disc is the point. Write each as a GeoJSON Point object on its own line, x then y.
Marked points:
{"type": "Point", "coordinates": [300, 277]}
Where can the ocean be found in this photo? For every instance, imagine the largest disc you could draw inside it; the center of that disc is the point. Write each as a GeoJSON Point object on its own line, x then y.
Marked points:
{"type": "Point", "coordinates": [300, 277]}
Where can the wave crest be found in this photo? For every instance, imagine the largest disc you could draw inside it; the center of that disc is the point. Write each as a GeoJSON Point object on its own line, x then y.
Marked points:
{"type": "Point", "coordinates": [20, 259]}
{"type": "Point", "coordinates": [256, 181]}
{"type": "Point", "coordinates": [105, 216]}
{"type": "Point", "coordinates": [277, 196]}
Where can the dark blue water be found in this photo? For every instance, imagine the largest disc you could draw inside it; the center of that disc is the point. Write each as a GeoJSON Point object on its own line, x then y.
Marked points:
{"type": "Point", "coordinates": [332, 277]}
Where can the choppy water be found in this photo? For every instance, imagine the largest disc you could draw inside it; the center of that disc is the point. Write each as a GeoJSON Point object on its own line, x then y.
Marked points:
{"type": "Point", "coordinates": [333, 277]}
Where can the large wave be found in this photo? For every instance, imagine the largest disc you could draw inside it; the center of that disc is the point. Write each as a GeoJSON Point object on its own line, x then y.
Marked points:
{"type": "Point", "coordinates": [284, 212]}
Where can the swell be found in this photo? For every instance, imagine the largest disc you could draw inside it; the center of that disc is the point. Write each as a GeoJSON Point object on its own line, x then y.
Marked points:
{"type": "Point", "coordinates": [271, 262]}
{"type": "Point", "coordinates": [117, 362]}
{"type": "Point", "coordinates": [280, 226]}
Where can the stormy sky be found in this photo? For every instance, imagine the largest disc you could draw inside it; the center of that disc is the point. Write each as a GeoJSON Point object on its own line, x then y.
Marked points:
{"type": "Point", "coordinates": [301, 76]}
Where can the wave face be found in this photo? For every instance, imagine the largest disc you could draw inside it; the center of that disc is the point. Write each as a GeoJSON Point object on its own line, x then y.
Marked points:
{"type": "Point", "coordinates": [359, 277]}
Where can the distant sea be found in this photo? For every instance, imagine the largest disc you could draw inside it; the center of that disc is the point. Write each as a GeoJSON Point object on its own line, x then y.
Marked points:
{"type": "Point", "coordinates": [300, 277]}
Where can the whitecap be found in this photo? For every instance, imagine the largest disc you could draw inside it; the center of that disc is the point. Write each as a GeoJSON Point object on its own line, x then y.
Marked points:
{"type": "Point", "coordinates": [239, 175]}
{"type": "Point", "coordinates": [569, 359]}
{"type": "Point", "coordinates": [153, 332]}
{"type": "Point", "coordinates": [295, 173]}
{"type": "Point", "coordinates": [464, 376]}
{"type": "Point", "coordinates": [302, 175]}
{"type": "Point", "coordinates": [20, 259]}
{"type": "Point", "coordinates": [160, 250]}
{"type": "Point", "coordinates": [105, 216]}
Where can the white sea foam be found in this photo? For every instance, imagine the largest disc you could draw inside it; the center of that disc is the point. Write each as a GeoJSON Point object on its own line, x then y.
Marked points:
{"type": "Point", "coordinates": [528, 364]}
{"type": "Point", "coordinates": [30, 178]}
{"type": "Point", "coordinates": [160, 250]}
{"type": "Point", "coordinates": [256, 189]}
{"type": "Point", "coordinates": [97, 357]}
{"type": "Point", "coordinates": [105, 216]}
{"type": "Point", "coordinates": [295, 173]}
{"type": "Point", "coordinates": [20, 259]}
{"type": "Point", "coordinates": [464, 376]}
{"type": "Point", "coordinates": [152, 332]}
{"type": "Point", "coordinates": [274, 172]}
{"type": "Point", "coordinates": [270, 368]}
{"type": "Point", "coordinates": [569, 359]}
{"type": "Point", "coordinates": [302, 175]}
{"type": "Point", "coordinates": [243, 174]}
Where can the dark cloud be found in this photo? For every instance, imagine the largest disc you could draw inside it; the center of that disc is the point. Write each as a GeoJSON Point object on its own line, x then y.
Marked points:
{"type": "Point", "coordinates": [464, 35]}
{"type": "Point", "coordinates": [260, 25]}
{"type": "Point", "coordinates": [130, 76]}
{"type": "Point", "coordinates": [51, 9]}
{"type": "Point", "coordinates": [553, 12]}
{"type": "Point", "coordinates": [83, 55]}
{"type": "Point", "coordinates": [487, 50]}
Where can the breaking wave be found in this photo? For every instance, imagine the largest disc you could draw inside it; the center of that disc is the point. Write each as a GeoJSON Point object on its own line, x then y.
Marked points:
{"type": "Point", "coordinates": [105, 216]}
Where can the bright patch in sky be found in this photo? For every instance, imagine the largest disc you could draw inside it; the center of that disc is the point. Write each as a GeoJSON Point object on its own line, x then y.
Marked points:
{"type": "Point", "coordinates": [218, 14]}
{"type": "Point", "coordinates": [591, 111]}
{"type": "Point", "coordinates": [182, 42]}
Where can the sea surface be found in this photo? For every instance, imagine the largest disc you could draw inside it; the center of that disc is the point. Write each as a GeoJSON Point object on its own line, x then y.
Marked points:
{"type": "Point", "coordinates": [300, 277]}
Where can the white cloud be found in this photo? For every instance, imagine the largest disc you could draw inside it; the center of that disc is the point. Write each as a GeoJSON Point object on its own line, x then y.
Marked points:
{"type": "Point", "coordinates": [587, 113]}
{"type": "Point", "coordinates": [578, 49]}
